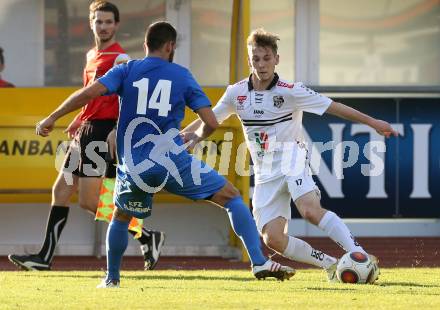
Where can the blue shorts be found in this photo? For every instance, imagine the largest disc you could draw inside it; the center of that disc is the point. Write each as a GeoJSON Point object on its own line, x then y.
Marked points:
{"type": "Point", "coordinates": [195, 185]}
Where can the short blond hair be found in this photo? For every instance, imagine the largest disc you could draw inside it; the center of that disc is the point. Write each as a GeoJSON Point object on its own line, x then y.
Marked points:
{"type": "Point", "coordinates": [263, 38]}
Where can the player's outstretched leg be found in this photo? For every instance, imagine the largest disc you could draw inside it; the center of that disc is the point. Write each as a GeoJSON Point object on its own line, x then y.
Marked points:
{"type": "Point", "coordinates": [310, 209]}
{"type": "Point", "coordinates": [296, 249]}
{"type": "Point", "coordinates": [116, 244]}
{"type": "Point", "coordinates": [301, 251]}
{"type": "Point", "coordinates": [243, 225]}
{"type": "Point", "coordinates": [339, 232]}
{"type": "Point", "coordinates": [151, 246]}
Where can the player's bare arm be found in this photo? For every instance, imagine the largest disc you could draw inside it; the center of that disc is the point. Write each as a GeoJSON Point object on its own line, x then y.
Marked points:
{"type": "Point", "coordinates": [73, 126]}
{"type": "Point", "coordinates": [201, 128]}
{"type": "Point", "coordinates": [75, 101]}
{"type": "Point", "coordinates": [111, 142]}
{"type": "Point", "coordinates": [341, 110]}
{"type": "Point", "coordinates": [189, 132]}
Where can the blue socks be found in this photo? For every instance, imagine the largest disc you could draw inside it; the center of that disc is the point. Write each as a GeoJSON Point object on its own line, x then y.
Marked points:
{"type": "Point", "coordinates": [116, 243]}
{"type": "Point", "coordinates": [244, 226]}
{"type": "Point", "coordinates": [241, 220]}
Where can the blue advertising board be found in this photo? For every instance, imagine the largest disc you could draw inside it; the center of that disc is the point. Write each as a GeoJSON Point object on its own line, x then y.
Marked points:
{"type": "Point", "coordinates": [396, 177]}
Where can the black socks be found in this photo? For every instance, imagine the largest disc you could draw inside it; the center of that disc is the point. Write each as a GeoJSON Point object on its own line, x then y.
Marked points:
{"type": "Point", "coordinates": [55, 225]}
{"type": "Point", "coordinates": [144, 238]}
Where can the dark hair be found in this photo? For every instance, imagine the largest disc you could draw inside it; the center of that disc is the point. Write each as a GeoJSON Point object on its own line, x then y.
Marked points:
{"type": "Point", "coordinates": [105, 6]}
{"type": "Point", "coordinates": [158, 34]}
{"type": "Point", "coordinates": [2, 58]}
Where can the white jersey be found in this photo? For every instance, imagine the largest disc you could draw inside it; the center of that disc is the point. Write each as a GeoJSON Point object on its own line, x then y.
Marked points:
{"type": "Point", "coordinates": [272, 121]}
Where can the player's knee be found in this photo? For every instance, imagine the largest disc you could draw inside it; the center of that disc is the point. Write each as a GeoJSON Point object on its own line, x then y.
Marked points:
{"type": "Point", "coordinates": [87, 206]}
{"type": "Point", "coordinates": [273, 237]}
{"type": "Point", "coordinates": [120, 215]}
{"type": "Point", "coordinates": [61, 193]}
{"type": "Point", "coordinates": [273, 241]}
{"type": "Point", "coordinates": [227, 193]}
{"type": "Point", "coordinates": [57, 190]}
{"type": "Point", "coordinates": [314, 214]}
{"type": "Point", "coordinates": [230, 191]}
{"type": "Point", "coordinates": [310, 209]}
{"type": "Point", "coordinates": [309, 215]}
{"type": "Point", "coordinates": [60, 197]}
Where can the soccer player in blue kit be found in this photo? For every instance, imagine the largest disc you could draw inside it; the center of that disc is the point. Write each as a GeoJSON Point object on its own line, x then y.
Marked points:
{"type": "Point", "coordinates": [151, 154]}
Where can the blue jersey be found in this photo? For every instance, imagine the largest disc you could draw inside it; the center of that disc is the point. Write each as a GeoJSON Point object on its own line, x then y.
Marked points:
{"type": "Point", "coordinates": [155, 91]}
{"type": "Point", "coordinates": [151, 155]}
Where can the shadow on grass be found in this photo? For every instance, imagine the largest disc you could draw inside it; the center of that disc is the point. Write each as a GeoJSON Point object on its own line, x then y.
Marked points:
{"type": "Point", "coordinates": [73, 275]}
{"type": "Point", "coordinates": [409, 284]}
{"type": "Point", "coordinates": [332, 289]}
{"type": "Point", "coordinates": [146, 277]}
{"type": "Point", "coordinates": [184, 277]}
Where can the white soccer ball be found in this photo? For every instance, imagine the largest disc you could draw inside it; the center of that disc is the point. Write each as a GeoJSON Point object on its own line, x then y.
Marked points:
{"type": "Point", "coordinates": [355, 267]}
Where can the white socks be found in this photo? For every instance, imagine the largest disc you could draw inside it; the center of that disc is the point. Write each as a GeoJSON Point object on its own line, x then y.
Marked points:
{"type": "Point", "coordinates": [332, 224]}
{"type": "Point", "coordinates": [301, 251]}
{"type": "Point", "coordinates": [339, 232]}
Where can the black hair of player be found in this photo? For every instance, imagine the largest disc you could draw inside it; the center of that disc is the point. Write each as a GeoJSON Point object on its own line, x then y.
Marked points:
{"type": "Point", "coordinates": [103, 6]}
{"type": "Point", "coordinates": [158, 34]}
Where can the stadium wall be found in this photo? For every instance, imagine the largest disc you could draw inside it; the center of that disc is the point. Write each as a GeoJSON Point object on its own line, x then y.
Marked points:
{"type": "Point", "coordinates": [22, 38]}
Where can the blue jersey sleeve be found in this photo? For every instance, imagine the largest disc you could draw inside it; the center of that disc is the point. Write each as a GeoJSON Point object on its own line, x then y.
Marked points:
{"type": "Point", "coordinates": [195, 98]}
{"type": "Point", "coordinates": [113, 79]}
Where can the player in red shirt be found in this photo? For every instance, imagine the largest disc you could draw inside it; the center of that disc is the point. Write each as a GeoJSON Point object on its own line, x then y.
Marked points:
{"type": "Point", "coordinates": [84, 164]}
{"type": "Point", "coordinates": [3, 83]}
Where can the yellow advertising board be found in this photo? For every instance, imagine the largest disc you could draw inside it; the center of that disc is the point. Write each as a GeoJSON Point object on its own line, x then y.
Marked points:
{"type": "Point", "coordinates": [28, 162]}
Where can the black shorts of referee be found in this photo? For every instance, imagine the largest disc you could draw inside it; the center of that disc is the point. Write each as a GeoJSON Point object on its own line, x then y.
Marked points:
{"type": "Point", "coordinates": [87, 155]}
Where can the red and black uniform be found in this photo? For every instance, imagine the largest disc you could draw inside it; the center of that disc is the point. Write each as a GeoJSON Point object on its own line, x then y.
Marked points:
{"type": "Point", "coordinates": [98, 117]}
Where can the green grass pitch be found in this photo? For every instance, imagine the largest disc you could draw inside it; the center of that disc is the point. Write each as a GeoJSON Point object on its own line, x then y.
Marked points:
{"type": "Point", "coordinates": [218, 289]}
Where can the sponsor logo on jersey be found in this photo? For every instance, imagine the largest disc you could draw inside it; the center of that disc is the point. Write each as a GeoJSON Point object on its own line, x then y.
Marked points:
{"type": "Point", "coordinates": [278, 101]}
{"type": "Point", "coordinates": [283, 84]}
{"type": "Point", "coordinates": [259, 98]}
{"type": "Point", "coordinates": [258, 113]}
{"type": "Point", "coordinates": [240, 102]}
{"type": "Point", "coordinates": [241, 99]}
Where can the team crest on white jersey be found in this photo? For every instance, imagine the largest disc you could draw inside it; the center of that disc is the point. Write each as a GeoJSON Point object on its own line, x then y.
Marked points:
{"type": "Point", "coordinates": [278, 101]}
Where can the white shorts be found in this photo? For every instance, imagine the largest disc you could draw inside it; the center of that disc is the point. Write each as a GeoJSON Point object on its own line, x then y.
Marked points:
{"type": "Point", "coordinates": [272, 199]}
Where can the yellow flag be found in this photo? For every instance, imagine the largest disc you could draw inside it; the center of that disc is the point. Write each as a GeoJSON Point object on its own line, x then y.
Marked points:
{"type": "Point", "coordinates": [106, 206]}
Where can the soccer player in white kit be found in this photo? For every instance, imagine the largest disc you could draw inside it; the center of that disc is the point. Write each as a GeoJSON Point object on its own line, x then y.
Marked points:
{"type": "Point", "coordinates": [270, 110]}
